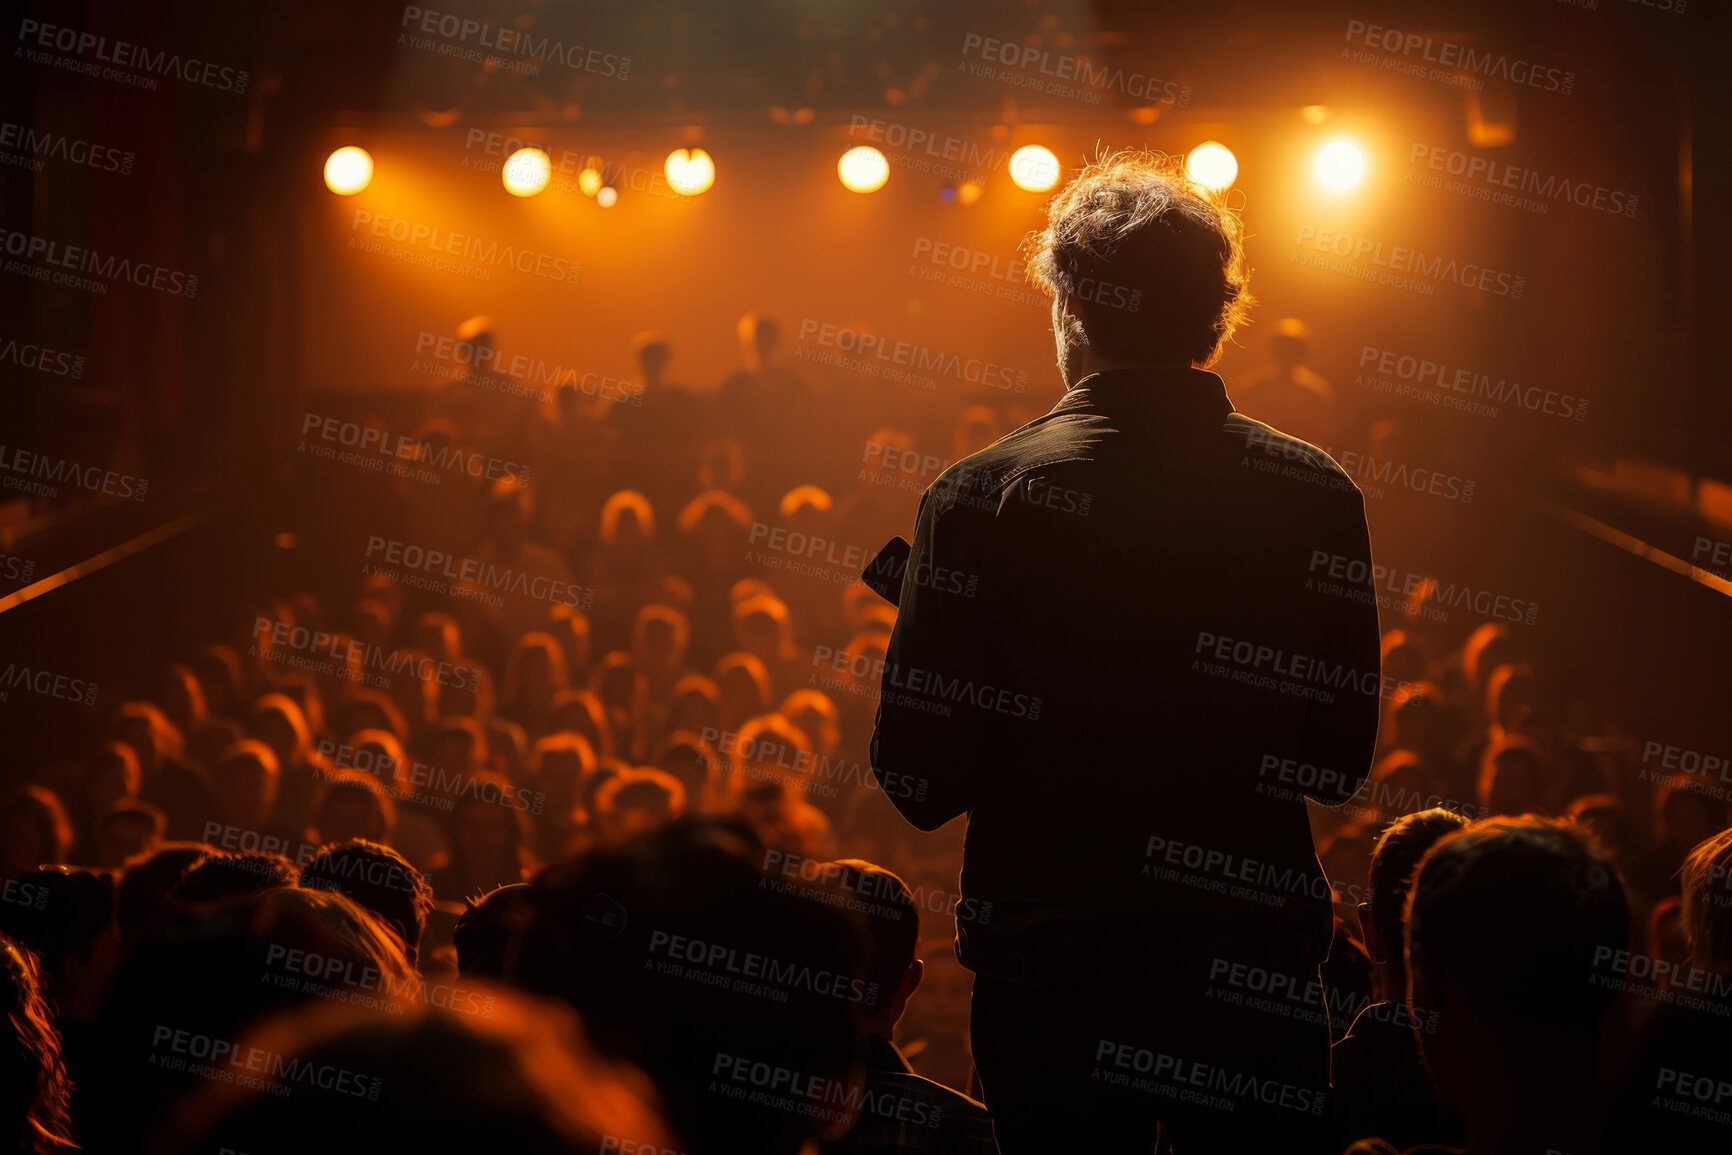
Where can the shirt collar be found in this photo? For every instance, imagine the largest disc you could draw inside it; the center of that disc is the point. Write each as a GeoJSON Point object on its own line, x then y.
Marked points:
{"type": "Point", "coordinates": [1168, 391]}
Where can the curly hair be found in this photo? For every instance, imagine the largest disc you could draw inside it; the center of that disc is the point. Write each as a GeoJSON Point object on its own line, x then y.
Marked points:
{"type": "Point", "coordinates": [1154, 265]}
{"type": "Point", "coordinates": [36, 1093]}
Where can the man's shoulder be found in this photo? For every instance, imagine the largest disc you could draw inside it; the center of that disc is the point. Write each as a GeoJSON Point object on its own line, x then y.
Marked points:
{"type": "Point", "coordinates": [1259, 441]}
{"type": "Point", "coordinates": [951, 1107]}
{"type": "Point", "coordinates": [979, 479]}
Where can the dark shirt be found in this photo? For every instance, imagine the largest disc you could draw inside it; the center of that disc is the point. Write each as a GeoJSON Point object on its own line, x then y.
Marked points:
{"type": "Point", "coordinates": [1133, 636]}
{"type": "Point", "coordinates": [902, 1112]}
{"type": "Point", "coordinates": [1674, 1085]}
{"type": "Point", "coordinates": [1379, 1088]}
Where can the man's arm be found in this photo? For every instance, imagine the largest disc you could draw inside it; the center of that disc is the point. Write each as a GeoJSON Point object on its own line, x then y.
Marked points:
{"type": "Point", "coordinates": [1342, 735]}
{"type": "Point", "coordinates": [928, 748]}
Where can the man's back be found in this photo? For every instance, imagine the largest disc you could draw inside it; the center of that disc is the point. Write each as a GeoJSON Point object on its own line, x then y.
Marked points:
{"type": "Point", "coordinates": [1132, 635]}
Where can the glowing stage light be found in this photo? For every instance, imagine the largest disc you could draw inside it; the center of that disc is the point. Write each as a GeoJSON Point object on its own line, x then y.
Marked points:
{"type": "Point", "coordinates": [589, 181]}
{"type": "Point", "coordinates": [968, 192]}
{"type": "Point", "coordinates": [1212, 165]}
{"type": "Point", "coordinates": [606, 196]}
{"type": "Point", "coordinates": [690, 173]}
{"type": "Point", "coordinates": [863, 169]}
{"type": "Point", "coordinates": [1339, 164]}
{"type": "Point", "coordinates": [348, 171]}
{"type": "Point", "coordinates": [1034, 168]}
{"type": "Point", "coordinates": [527, 172]}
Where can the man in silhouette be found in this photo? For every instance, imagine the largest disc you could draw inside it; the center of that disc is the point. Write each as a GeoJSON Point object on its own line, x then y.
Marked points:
{"type": "Point", "coordinates": [1287, 393]}
{"type": "Point", "coordinates": [1133, 637]}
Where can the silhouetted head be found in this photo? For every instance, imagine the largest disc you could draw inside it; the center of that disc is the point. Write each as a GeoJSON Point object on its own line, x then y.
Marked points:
{"type": "Point", "coordinates": [186, 995]}
{"type": "Point", "coordinates": [516, 1077]}
{"type": "Point", "coordinates": [381, 881]}
{"type": "Point", "coordinates": [1291, 342]}
{"type": "Point", "coordinates": [887, 910]}
{"type": "Point", "coordinates": [1143, 268]}
{"type": "Point", "coordinates": [34, 830]}
{"type": "Point", "coordinates": [1510, 924]}
{"type": "Point", "coordinates": [653, 354]}
{"type": "Point", "coordinates": [1707, 902]}
{"type": "Point", "coordinates": [488, 926]}
{"type": "Point", "coordinates": [1397, 853]}
{"type": "Point", "coordinates": [712, 976]}
{"type": "Point", "coordinates": [225, 874]}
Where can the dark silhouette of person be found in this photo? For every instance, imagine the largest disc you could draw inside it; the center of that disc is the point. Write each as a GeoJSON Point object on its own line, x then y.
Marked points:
{"type": "Point", "coordinates": [381, 882]}
{"type": "Point", "coordinates": [740, 993]}
{"type": "Point", "coordinates": [1288, 394]}
{"type": "Point", "coordinates": [65, 918]}
{"type": "Point", "coordinates": [1379, 1088]}
{"type": "Point", "coordinates": [518, 1078]}
{"type": "Point", "coordinates": [900, 1111]}
{"type": "Point", "coordinates": [486, 928]}
{"type": "Point", "coordinates": [1674, 1079]}
{"type": "Point", "coordinates": [185, 994]}
{"type": "Point", "coordinates": [1509, 924]}
{"type": "Point", "coordinates": [1121, 592]}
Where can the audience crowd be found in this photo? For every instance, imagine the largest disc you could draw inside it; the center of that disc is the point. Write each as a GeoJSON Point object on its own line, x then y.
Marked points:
{"type": "Point", "coordinates": [556, 832]}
